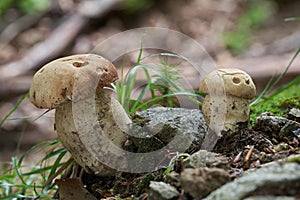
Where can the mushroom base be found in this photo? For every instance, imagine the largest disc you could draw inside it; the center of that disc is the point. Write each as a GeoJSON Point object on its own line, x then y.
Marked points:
{"type": "Point", "coordinates": [236, 111]}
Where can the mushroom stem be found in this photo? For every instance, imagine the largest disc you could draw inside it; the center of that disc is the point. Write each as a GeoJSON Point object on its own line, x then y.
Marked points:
{"type": "Point", "coordinates": [237, 111]}
{"type": "Point", "coordinates": [68, 130]}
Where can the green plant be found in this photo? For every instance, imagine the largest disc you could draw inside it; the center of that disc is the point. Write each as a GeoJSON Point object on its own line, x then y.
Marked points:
{"type": "Point", "coordinates": [168, 83]}
{"type": "Point", "coordinates": [14, 108]}
{"type": "Point", "coordinates": [271, 84]}
{"type": "Point", "coordinates": [33, 181]}
{"type": "Point", "coordinates": [273, 102]}
{"type": "Point", "coordinates": [163, 85]}
{"type": "Point", "coordinates": [179, 157]}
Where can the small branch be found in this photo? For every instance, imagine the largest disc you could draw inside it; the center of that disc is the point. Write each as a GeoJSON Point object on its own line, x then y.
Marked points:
{"type": "Point", "coordinates": [96, 8]}
{"type": "Point", "coordinates": [60, 38]}
{"type": "Point", "coordinates": [46, 50]}
{"type": "Point", "coordinates": [18, 26]}
{"type": "Point", "coordinates": [14, 86]}
{"type": "Point", "coordinates": [249, 154]}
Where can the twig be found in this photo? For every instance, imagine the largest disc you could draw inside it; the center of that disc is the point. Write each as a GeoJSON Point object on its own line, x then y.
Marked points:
{"type": "Point", "coordinates": [237, 158]}
{"type": "Point", "coordinates": [96, 8]}
{"type": "Point", "coordinates": [14, 29]}
{"type": "Point", "coordinates": [60, 38]}
{"type": "Point", "coordinates": [249, 154]}
{"type": "Point", "coordinates": [46, 50]}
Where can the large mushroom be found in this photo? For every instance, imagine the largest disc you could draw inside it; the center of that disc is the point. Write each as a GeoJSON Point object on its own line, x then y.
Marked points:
{"type": "Point", "coordinates": [68, 81]}
{"type": "Point", "coordinates": [236, 88]}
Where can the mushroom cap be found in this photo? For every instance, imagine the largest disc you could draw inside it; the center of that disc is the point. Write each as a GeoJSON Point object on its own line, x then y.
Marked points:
{"type": "Point", "coordinates": [236, 82]}
{"type": "Point", "coordinates": [75, 78]}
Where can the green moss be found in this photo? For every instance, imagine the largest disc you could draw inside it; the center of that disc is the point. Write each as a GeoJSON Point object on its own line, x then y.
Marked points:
{"type": "Point", "coordinates": [295, 159]}
{"type": "Point", "coordinates": [283, 99]}
{"type": "Point", "coordinates": [290, 103]}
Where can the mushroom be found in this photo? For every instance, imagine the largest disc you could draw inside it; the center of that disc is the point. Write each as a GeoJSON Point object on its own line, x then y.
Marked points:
{"type": "Point", "coordinates": [75, 80]}
{"type": "Point", "coordinates": [232, 89]}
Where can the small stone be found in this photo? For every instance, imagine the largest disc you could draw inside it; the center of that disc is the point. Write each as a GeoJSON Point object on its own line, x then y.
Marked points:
{"type": "Point", "coordinates": [268, 197]}
{"type": "Point", "coordinates": [198, 183]}
{"type": "Point", "coordinates": [205, 158]}
{"type": "Point", "coordinates": [274, 126]}
{"type": "Point", "coordinates": [172, 178]}
{"type": "Point", "coordinates": [295, 112]}
{"type": "Point", "coordinates": [162, 191]}
{"type": "Point", "coordinates": [276, 179]}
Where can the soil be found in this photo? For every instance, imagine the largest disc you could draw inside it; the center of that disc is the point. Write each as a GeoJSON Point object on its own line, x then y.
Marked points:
{"type": "Point", "coordinates": [241, 150]}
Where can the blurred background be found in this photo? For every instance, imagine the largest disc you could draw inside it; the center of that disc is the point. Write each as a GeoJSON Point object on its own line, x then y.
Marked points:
{"type": "Point", "coordinates": [254, 35]}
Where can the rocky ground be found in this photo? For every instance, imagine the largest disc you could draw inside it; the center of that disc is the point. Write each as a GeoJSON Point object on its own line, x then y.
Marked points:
{"type": "Point", "coordinates": [251, 163]}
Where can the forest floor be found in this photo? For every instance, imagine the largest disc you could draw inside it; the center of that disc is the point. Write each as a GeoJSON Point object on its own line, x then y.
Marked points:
{"type": "Point", "coordinates": [29, 41]}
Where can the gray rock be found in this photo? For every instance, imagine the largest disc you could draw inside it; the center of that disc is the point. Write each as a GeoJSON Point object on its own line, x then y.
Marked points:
{"type": "Point", "coordinates": [274, 179]}
{"type": "Point", "coordinates": [183, 129]}
{"type": "Point", "coordinates": [162, 191]}
{"type": "Point", "coordinates": [267, 197]}
{"type": "Point", "coordinates": [200, 182]}
{"type": "Point", "coordinates": [295, 113]}
{"type": "Point", "coordinates": [278, 127]}
{"type": "Point", "coordinates": [205, 158]}
{"type": "Point", "coordinates": [172, 178]}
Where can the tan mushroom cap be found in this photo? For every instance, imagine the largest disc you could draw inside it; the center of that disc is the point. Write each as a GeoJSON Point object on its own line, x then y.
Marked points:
{"type": "Point", "coordinates": [236, 83]}
{"type": "Point", "coordinates": [75, 77]}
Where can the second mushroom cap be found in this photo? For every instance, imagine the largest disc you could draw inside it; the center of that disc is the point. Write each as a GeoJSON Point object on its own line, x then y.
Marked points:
{"type": "Point", "coordinates": [236, 83]}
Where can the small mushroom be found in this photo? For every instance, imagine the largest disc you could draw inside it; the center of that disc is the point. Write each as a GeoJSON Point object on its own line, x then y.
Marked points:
{"type": "Point", "coordinates": [71, 80]}
{"type": "Point", "coordinates": [236, 88]}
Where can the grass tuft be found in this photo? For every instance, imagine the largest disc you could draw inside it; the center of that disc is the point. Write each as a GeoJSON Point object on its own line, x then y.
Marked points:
{"type": "Point", "coordinates": [20, 180]}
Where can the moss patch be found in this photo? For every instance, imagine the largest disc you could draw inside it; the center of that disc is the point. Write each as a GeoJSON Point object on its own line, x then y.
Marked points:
{"type": "Point", "coordinates": [282, 100]}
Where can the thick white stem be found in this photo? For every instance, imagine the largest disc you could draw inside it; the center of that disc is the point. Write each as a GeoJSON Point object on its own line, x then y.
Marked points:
{"type": "Point", "coordinates": [70, 124]}
{"type": "Point", "coordinates": [237, 110]}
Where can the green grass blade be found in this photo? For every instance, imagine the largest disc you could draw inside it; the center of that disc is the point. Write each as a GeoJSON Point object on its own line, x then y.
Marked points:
{"type": "Point", "coordinates": [16, 168]}
{"type": "Point", "coordinates": [149, 80]}
{"type": "Point", "coordinates": [138, 62]}
{"type": "Point", "coordinates": [40, 170]}
{"type": "Point", "coordinates": [54, 153]}
{"type": "Point", "coordinates": [139, 99]}
{"type": "Point", "coordinates": [285, 87]}
{"type": "Point", "coordinates": [270, 86]}
{"type": "Point", "coordinates": [292, 19]}
{"type": "Point", "coordinates": [264, 92]}
{"type": "Point", "coordinates": [167, 54]}
{"type": "Point", "coordinates": [283, 73]}
{"type": "Point", "coordinates": [36, 146]}
{"type": "Point", "coordinates": [184, 93]}
{"type": "Point", "coordinates": [56, 163]}
{"type": "Point", "coordinates": [14, 108]}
